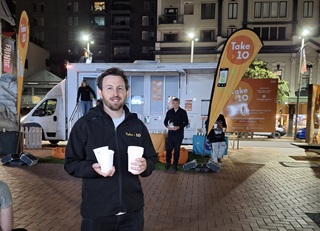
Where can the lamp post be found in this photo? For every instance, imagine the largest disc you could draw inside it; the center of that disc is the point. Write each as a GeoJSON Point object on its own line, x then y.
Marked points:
{"type": "Point", "coordinates": [193, 38]}
{"type": "Point", "coordinates": [304, 33]}
{"type": "Point", "coordinates": [89, 54]}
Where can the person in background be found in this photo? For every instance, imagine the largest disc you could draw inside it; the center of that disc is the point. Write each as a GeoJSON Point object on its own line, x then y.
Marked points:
{"type": "Point", "coordinates": [220, 118]}
{"type": "Point", "coordinates": [84, 92]}
{"type": "Point", "coordinates": [217, 139]}
{"type": "Point", "coordinates": [113, 200]}
{"type": "Point", "coordinates": [6, 208]}
{"type": "Point", "coordinates": [175, 121]}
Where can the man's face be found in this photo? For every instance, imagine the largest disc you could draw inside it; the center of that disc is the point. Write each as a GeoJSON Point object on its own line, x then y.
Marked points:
{"type": "Point", "coordinates": [113, 92]}
{"type": "Point", "coordinates": [175, 105]}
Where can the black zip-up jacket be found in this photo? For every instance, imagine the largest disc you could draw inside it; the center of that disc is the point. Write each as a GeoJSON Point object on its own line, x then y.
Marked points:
{"type": "Point", "coordinates": [84, 93]}
{"type": "Point", "coordinates": [216, 136]}
{"type": "Point", "coordinates": [178, 118]}
{"type": "Point", "coordinates": [105, 196]}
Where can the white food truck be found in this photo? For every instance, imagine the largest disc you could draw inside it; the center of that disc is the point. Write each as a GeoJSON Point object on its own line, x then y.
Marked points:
{"type": "Point", "coordinates": [151, 85]}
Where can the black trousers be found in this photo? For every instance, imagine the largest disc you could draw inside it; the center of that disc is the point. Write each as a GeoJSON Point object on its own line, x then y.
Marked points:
{"type": "Point", "coordinates": [127, 222]}
{"type": "Point", "coordinates": [173, 142]}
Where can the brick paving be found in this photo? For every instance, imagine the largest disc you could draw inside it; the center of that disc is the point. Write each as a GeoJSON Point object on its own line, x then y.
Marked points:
{"type": "Point", "coordinates": [252, 191]}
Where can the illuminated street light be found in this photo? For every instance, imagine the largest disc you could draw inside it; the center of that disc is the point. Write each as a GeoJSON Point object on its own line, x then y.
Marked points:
{"type": "Point", "coordinates": [193, 38]}
{"type": "Point", "coordinates": [89, 54]}
{"type": "Point", "coordinates": [302, 57]}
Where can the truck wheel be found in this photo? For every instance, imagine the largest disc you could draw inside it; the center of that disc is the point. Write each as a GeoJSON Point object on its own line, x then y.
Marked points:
{"type": "Point", "coordinates": [54, 141]}
{"type": "Point", "coordinates": [276, 135]}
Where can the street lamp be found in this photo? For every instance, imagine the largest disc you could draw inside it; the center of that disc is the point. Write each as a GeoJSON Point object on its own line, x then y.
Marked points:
{"type": "Point", "coordinates": [193, 38]}
{"type": "Point", "coordinates": [89, 54]}
{"type": "Point", "coordinates": [302, 57]}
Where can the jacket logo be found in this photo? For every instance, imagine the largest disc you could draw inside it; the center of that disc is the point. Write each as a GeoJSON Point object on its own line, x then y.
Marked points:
{"type": "Point", "coordinates": [133, 134]}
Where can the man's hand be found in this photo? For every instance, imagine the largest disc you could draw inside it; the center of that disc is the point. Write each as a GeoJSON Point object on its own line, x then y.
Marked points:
{"type": "Point", "coordinates": [139, 166]}
{"type": "Point", "coordinates": [97, 169]}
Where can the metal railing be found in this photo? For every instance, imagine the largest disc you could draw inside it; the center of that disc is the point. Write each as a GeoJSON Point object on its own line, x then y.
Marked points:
{"type": "Point", "coordinates": [171, 19]}
{"type": "Point", "coordinates": [75, 110]}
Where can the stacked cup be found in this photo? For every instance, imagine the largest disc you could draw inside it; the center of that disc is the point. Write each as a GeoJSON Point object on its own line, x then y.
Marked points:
{"type": "Point", "coordinates": [104, 157]}
{"type": "Point", "coordinates": [134, 152]}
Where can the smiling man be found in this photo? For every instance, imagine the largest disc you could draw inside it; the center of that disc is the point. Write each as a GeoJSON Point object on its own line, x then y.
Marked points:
{"type": "Point", "coordinates": [112, 200]}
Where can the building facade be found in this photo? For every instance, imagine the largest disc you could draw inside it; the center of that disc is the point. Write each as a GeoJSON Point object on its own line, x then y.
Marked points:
{"type": "Point", "coordinates": [130, 30]}
{"type": "Point", "coordinates": [278, 23]}
{"type": "Point", "coordinates": [121, 31]}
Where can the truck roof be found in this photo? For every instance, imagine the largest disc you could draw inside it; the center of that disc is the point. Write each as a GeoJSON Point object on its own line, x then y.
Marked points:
{"type": "Point", "coordinates": [147, 66]}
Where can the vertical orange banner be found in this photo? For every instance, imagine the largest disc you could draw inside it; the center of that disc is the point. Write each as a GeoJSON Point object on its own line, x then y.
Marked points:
{"type": "Point", "coordinates": [237, 55]}
{"type": "Point", "coordinates": [23, 42]}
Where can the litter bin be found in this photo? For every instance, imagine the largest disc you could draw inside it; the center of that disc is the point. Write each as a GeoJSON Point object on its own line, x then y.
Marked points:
{"type": "Point", "coordinates": [9, 142]}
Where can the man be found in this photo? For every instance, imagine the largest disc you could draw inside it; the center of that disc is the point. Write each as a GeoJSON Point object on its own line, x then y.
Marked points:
{"type": "Point", "coordinates": [84, 92]}
{"type": "Point", "coordinates": [112, 200]}
{"type": "Point", "coordinates": [176, 119]}
{"type": "Point", "coordinates": [217, 139]}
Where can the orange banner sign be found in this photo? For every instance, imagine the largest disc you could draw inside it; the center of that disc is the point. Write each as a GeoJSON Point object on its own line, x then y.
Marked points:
{"type": "Point", "coordinates": [23, 42]}
{"type": "Point", "coordinates": [252, 106]}
{"type": "Point", "coordinates": [237, 55]}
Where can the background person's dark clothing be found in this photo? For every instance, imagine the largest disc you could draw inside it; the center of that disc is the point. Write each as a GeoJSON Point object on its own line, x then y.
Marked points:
{"type": "Point", "coordinates": [178, 118]}
{"type": "Point", "coordinates": [216, 135]}
{"type": "Point", "coordinates": [220, 119]}
{"type": "Point", "coordinates": [126, 222]}
{"type": "Point", "coordinates": [84, 93]}
{"type": "Point", "coordinates": [174, 138]}
{"type": "Point", "coordinates": [173, 142]}
{"type": "Point", "coordinates": [85, 99]}
{"type": "Point", "coordinates": [107, 196]}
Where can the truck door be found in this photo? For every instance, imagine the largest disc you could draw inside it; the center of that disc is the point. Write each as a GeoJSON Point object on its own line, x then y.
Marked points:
{"type": "Point", "coordinates": [46, 115]}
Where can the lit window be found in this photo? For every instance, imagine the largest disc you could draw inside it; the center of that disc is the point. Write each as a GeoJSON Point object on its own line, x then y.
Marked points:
{"type": "Point", "coordinates": [233, 11]}
{"type": "Point", "coordinates": [308, 9]}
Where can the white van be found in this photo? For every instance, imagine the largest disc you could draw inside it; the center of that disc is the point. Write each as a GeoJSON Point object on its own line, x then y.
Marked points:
{"type": "Point", "coordinates": [49, 114]}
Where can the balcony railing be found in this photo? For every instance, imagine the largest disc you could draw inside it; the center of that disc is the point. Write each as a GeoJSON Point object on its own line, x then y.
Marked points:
{"type": "Point", "coordinates": [120, 37]}
{"type": "Point", "coordinates": [171, 19]}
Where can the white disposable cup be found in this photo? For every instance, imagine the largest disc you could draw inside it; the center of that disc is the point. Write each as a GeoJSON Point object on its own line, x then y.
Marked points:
{"type": "Point", "coordinates": [105, 158]}
{"type": "Point", "coordinates": [134, 152]}
{"type": "Point", "coordinates": [215, 126]}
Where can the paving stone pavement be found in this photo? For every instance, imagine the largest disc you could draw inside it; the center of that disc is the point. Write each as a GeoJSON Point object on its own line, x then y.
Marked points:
{"type": "Point", "coordinates": [252, 191]}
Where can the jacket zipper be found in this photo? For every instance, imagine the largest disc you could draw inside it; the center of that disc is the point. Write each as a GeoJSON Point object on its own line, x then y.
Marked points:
{"type": "Point", "coordinates": [119, 170]}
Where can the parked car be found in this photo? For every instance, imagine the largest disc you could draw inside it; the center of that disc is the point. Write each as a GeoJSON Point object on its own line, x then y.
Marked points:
{"type": "Point", "coordinates": [277, 134]}
{"type": "Point", "coordinates": [301, 133]}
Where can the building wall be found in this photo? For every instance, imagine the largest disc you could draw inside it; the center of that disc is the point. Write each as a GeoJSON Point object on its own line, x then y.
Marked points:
{"type": "Point", "coordinates": [63, 27]}
{"type": "Point", "coordinates": [282, 52]}
{"type": "Point", "coordinates": [37, 60]}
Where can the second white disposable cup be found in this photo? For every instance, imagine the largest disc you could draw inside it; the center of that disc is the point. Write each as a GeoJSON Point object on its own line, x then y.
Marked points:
{"type": "Point", "coordinates": [105, 158]}
{"type": "Point", "coordinates": [134, 152]}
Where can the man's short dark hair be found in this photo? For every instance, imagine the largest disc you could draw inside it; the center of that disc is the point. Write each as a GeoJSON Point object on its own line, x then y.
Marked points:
{"type": "Point", "coordinates": [113, 71]}
{"type": "Point", "coordinates": [176, 100]}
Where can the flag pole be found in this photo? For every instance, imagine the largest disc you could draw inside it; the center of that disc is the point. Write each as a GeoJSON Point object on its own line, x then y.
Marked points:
{"type": "Point", "coordinates": [302, 68]}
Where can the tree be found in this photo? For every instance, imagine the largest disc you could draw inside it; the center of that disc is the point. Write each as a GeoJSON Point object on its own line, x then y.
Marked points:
{"type": "Point", "coordinates": [258, 70]}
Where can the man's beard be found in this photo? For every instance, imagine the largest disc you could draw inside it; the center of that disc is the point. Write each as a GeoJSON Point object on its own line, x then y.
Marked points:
{"type": "Point", "coordinates": [113, 107]}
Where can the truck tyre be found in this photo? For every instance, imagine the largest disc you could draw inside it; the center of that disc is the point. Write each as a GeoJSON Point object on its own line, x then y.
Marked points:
{"type": "Point", "coordinates": [276, 135]}
{"type": "Point", "coordinates": [53, 141]}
